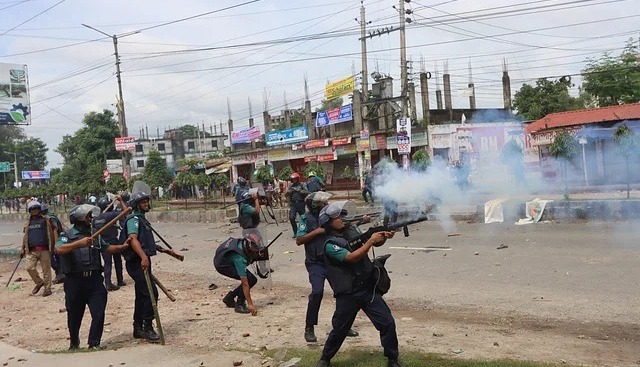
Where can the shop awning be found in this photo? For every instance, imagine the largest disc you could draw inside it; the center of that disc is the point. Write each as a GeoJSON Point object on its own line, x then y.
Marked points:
{"type": "Point", "coordinates": [222, 168]}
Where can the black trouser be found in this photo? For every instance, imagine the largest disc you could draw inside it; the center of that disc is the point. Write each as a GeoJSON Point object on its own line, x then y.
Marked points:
{"type": "Point", "coordinates": [317, 275]}
{"type": "Point", "coordinates": [347, 307]}
{"type": "Point", "coordinates": [296, 208]}
{"type": "Point", "coordinates": [81, 291]}
{"type": "Point", "coordinates": [143, 309]}
{"type": "Point", "coordinates": [366, 191]}
{"type": "Point", "coordinates": [116, 260]}
{"type": "Point", "coordinates": [55, 263]}
{"type": "Point", "coordinates": [231, 272]}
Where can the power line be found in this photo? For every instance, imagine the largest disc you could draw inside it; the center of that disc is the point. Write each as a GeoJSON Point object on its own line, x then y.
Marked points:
{"type": "Point", "coordinates": [33, 17]}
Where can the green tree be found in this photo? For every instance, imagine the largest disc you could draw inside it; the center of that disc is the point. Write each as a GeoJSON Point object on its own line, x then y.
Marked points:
{"type": "Point", "coordinates": [191, 131]}
{"type": "Point", "coordinates": [420, 160]}
{"type": "Point", "coordinates": [626, 144]}
{"type": "Point", "coordinates": [32, 154]}
{"type": "Point", "coordinates": [263, 175]}
{"type": "Point", "coordinates": [221, 182]}
{"type": "Point", "coordinates": [330, 104]}
{"type": "Point", "coordinates": [348, 174]}
{"type": "Point", "coordinates": [155, 172]}
{"type": "Point", "coordinates": [315, 167]}
{"type": "Point", "coordinates": [546, 97]}
{"type": "Point", "coordinates": [116, 183]}
{"type": "Point", "coordinates": [285, 173]}
{"type": "Point", "coordinates": [565, 147]}
{"type": "Point", "coordinates": [614, 80]}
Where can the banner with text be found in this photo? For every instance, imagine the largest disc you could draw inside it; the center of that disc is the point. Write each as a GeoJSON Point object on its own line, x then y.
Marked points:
{"type": "Point", "coordinates": [15, 108]}
{"type": "Point", "coordinates": [125, 143]}
{"type": "Point", "coordinates": [245, 135]}
{"type": "Point", "coordinates": [404, 136]}
{"type": "Point", "coordinates": [334, 116]}
{"type": "Point", "coordinates": [340, 88]}
{"type": "Point", "coordinates": [35, 175]}
{"type": "Point", "coordinates": [114, 166]}
{"type": "Point", "coordinates": [288, 136]}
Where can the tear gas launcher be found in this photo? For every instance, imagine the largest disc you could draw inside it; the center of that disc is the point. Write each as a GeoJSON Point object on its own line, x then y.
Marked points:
{"type": "Point", "coordinates": [357, 242]}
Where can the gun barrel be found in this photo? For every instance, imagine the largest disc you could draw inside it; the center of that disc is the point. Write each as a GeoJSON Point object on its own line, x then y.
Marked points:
{"type": "Point", "coordinates": [404, 223]}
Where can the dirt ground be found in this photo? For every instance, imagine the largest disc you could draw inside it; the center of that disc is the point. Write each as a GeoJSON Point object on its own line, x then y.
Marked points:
{"type": "Point", "coordinates": [460, 309]}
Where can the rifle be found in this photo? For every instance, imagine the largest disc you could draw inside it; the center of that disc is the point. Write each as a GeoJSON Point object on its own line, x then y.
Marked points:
{"type": "Point", "coordinates": [263, 255]}
{"type": "Point", "coordinates": [169, 252]}
{"type": "Point", "coordinates": [159, 248]}
{"type": "Point", "coordinates": [357, 242]}
{"type": "Point", "coordinates": [358, 218]}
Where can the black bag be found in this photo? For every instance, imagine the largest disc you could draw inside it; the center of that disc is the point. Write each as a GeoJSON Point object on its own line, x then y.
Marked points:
{"type": "Point", "coordinates": [380, 276]}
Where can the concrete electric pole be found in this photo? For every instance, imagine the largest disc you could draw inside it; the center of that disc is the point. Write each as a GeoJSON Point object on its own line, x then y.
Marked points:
{"type": "Point", "coordinates": [403, 61]}
{"type": "Point", "coordinates": [122, 121]}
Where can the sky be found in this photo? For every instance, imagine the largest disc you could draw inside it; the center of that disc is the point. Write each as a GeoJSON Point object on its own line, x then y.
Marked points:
{"type": "Point", "coordinates": [182, 67]}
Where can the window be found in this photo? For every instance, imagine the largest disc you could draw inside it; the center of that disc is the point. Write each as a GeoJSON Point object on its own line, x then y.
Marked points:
{"type": "Point", "coordinates": [140, 163]}
{"type": "Point", "coordinates": [191, 145]}
{"type": "Point", "coordinates": [139, 148]}
{"type": "Point", "coordinates": [161, 147]}
{"type": "Point", "coordinates": [214, 143]}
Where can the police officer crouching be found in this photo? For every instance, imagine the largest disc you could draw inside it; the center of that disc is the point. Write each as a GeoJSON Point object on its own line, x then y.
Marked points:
{"type": "Point", "coordinates": [83, 282]}
{"type": "Point", "coordinates": [143, 246]}
{"type": "Point", "coordinates": [350, 277]}
{"type": "Point", "coordinates": [231, 260]}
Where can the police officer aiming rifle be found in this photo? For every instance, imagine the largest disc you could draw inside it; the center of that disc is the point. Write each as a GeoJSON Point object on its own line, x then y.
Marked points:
{"type": "Point", "coordinates": [351, 276]}
{"type": "Point", "coordinates": [81, 265]}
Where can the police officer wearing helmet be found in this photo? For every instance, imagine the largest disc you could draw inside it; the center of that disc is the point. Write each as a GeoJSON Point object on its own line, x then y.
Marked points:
{"type": "Point", "coordinates": [83, 285]}
{"type": "Point", "coordinates": [122, 237]}
{"type": "Point", "coordinates": [296, 194]}
{"type": "Point", "coordinates": [143, 246]}
{"type": "Point", "coordinates": [350, 276]}
{"type": "Point", "coordinates": [240, 188]}
{"type": "Point", "coordinates": [313, 236]}
{"type": "Point", "coordinates": [110, 236]}
{"type": "Point", "coordinates": [57, 229]}
{"type": "Point", "coordinates": [315, 183]}
{"type": "Point", "coordinates": [249, 213]}
{"type": "Point", "coordinates": [37, 243]}
{"type": "Point", "coordinates": [231, 260]}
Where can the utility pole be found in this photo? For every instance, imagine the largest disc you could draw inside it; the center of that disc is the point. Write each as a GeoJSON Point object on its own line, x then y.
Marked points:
{"type": "Point", "coordinates": [364, 159]}
{"type": "Point", "coordinates": [403, 60]}
{"type": "Point", "coordinates": [122, 122]}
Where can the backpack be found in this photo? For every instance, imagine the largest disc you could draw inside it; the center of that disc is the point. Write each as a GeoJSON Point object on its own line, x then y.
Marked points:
{"type": "Point", "coordinates": [380, 276]}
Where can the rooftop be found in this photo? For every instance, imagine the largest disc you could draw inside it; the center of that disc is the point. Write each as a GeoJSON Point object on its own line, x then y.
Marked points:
{"type": "Point", "coordinates": [583, 117]}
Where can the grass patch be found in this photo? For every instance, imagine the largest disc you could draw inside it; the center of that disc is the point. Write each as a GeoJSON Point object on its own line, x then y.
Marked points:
{"type": "Point", "coordinates": [67, 351]}
{"type": "Point", "coordinates": [374, 358]}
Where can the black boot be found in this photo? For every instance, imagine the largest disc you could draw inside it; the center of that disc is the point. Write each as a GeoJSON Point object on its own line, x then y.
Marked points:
{"type": "Point", "coordinates": [241, 307]}
{"type": "Point", "coordinates": [323, 363]}
{"type": "Point", "coordinates": [309, 335]}
{"type": "Point", "coordinates": [148, 332]}
{"type": "Point", "coordinates": [74, 345]}
{"type": "Point", "coordinates": [137, 330]}
{"type": "Point", "coordinates": [393, 363]}
{"type": "Point", "coordinates": [229, 300]}
{"type": "Point", "coordinates": [352, 333]}
{"type": "Point", "coordinates": [112, 287]}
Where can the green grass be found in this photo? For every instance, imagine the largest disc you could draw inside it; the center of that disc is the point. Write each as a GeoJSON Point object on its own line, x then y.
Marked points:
{"type": "Point", "coordinates": [374, 358]}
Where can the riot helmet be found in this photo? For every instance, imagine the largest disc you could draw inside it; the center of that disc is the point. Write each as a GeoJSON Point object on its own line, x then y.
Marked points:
{"type": "Point", "coordinates": [44, 208]}
{"type": "Point", "coordinates": [79, 213]}
{"type": "Point", "coordinates": [316, 201]}
{"type": "Point", "coordinates": [125, 196]}
{"type": "Point", "coordinates": [295, 177]}
{"type": "Point", "coordinates": [103, 203]}
{"type": "Point", "coordinates": [33, 205]}
{"type": "Point", "coordinates": [252, 245]}
{"type": "Point", "coordinates": [138, 197]}
{"type": "Point", "coordinates": [242, 181]}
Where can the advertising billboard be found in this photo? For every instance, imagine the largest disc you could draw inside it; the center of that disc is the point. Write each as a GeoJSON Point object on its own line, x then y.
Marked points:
{"type": "Point", "coordinates": [125, 143]}
{"type": "Point", "coordinates": [334, 116]}
{"type": "Point", "coordinates": [288, 136]}
{"type": "Point", "coordinates": [339, 88]}
{"type": "Point", "coordinates": [404, 136]}
{"type": "Point", "coordinates": [245, 135]}
{"type": "Point", "coordinates": [114, 166]}
{"type": "Point", "coordinates": [35, 175]}
{"type": "Point", "coordinates": [15, 108]}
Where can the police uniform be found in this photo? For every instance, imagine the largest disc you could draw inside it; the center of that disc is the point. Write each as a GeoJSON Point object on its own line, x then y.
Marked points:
{"type": "Point", "coordinates": [55, 258]}
{"type": "Point", "coordinates": [37, 243]}
{"type": "Point", "coordinates": [314, 262]}
{"type": "Point", "coordinates": [110, 236]}
{"type": "Point", "coordinates": [231, 261]}
{"type": "Point", "coordinates": [314, 184]}
{"type": "Point", "coordinates": [83, 286]}
{"type": "Point", "coordinates": [354, 291]}
{"type": "Point", "coordinates": [143, 309]}
{"type": "Point", "coordinates": [296, 201]}
{"type": "Point", "coordinates": [248, 217]}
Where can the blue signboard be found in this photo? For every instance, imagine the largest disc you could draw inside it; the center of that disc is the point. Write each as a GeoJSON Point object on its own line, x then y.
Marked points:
{"type": "Point", "coordinates": [35, 175]}
{"type": "Point", "coordinates": [288, 136]}
{"type": "Point", "coordinates": [334, 116]}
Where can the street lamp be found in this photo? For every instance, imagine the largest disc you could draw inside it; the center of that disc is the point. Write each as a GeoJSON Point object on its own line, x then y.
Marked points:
{"type": "Point", "coordinates": [15, 167]}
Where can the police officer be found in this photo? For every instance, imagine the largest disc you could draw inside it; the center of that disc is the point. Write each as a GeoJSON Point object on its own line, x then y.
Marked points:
{"type": "Point", "coordinates": [350, 277]}
{"type": "Point", "coordinates": [315, 183]}
{"type": "Point", "coordinates": [231, 260]}
{"type": "Point", "coordinates": [37, 244]}
{"type": "Point", "coordinates": [240, 188]}
{"type": "Point", "coordinates": [313, 237]}
{"type": "Point", "coordinates": [58, 229]}
{"type": "Point", "coordinates": [143, 246]}
{"type": "Point", "coordinates": [368, 188]}
{"type": "Point", "coordinates": [110, 236]}
{"type": "Point", "coordinates": [249, 213]}
{"type": "Point", "coordinates": [296, 194]}
{"type": "Point", "coordinates": [83, 285]}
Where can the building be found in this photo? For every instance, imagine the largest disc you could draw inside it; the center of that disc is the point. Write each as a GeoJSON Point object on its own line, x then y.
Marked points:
{"type": "Point", "coordinates": [174, 146]}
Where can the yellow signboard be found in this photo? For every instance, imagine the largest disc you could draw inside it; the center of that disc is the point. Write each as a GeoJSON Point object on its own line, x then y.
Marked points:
{"type": "Point", "coordinates": [340, 88]}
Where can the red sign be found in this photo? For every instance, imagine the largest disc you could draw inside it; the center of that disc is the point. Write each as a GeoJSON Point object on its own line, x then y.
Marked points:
{"type": "Point", "coordinates": [316, 143]}
{"type": "Point", "coordinates": [125, 143]}
{"type": "Point", "coordinates": [381, 141]}
{"type": "Point", "coordinates": [341, 141]}
{"type": "Point", "coordinates": [311, 158]}
{"type": "Point", "coordinates": [326, 158]}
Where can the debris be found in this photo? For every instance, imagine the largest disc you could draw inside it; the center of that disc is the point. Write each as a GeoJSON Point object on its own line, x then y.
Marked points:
{"type": "Point", "coordinates": [290, 363]}
{"type": "Point", "coordinates": [406, 319]}
{"type": "Point", "coordinates": [453, 234]}
{"type": "Point", "coordinates": [184, 249]}
{"type": "Point", "coordinates": [244, 335]}
{"type": "Point", "coordinates": [62, 310]}
{"type": "Point", "coordinates": [5, 364]}
{"type": "Point", "coordinates": [457, 351]}
{"type": "Point", "coordinates": [237, 363]}
{"type": "Point", "coordinates": [495, 344]}
{"type": "Point", "coordinates": [22, 359]}
{"type": "Point", "coordinates": [20, 279]}
{"type": "Point", "coordinates": [502, 246]}
{"type": "Point", "coordinates": [289, 252]}
{"type": "Point", "coordinates": [438, 335]}
{"type": "Point", "coordinates": [476, 253]}
{"type": "Point", "coordinates": [563, 361]}
{"type": "Point", "coordinates": [213, 286]}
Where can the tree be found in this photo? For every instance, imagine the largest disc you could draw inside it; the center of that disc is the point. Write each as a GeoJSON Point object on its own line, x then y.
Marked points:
{"type": "Point", "coordinates": [263, 175]}
{"type": "Point", "coordinates": [155, 172]}
{"type": "Point", "coordinates": [546, 97]}
{"type": "Point", "coordinates": [221, 182]}
{"type": "Point", "coordinates": [316, 168]}
{"type": "Point", "coordinates": [32, 154]}
{"type": "Point", "coordinates": [285, 173]}
{"type": "Point", "coordinates": [330, 104]}
{"type": "Point", "coordinates": [614, 80]}
{"type": "Point", "coordinates": [191, 131]}
{"type": "Point", "coordinates": [565, 147]}
{"type": "Point", "coordinates": [626, 144]}
{"type": "Point", "coordinates": [420, 160]}
{"type": "Point", "coordinates": [117, 183]}
{"type": "Point", "coordinates": [348, 174]}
